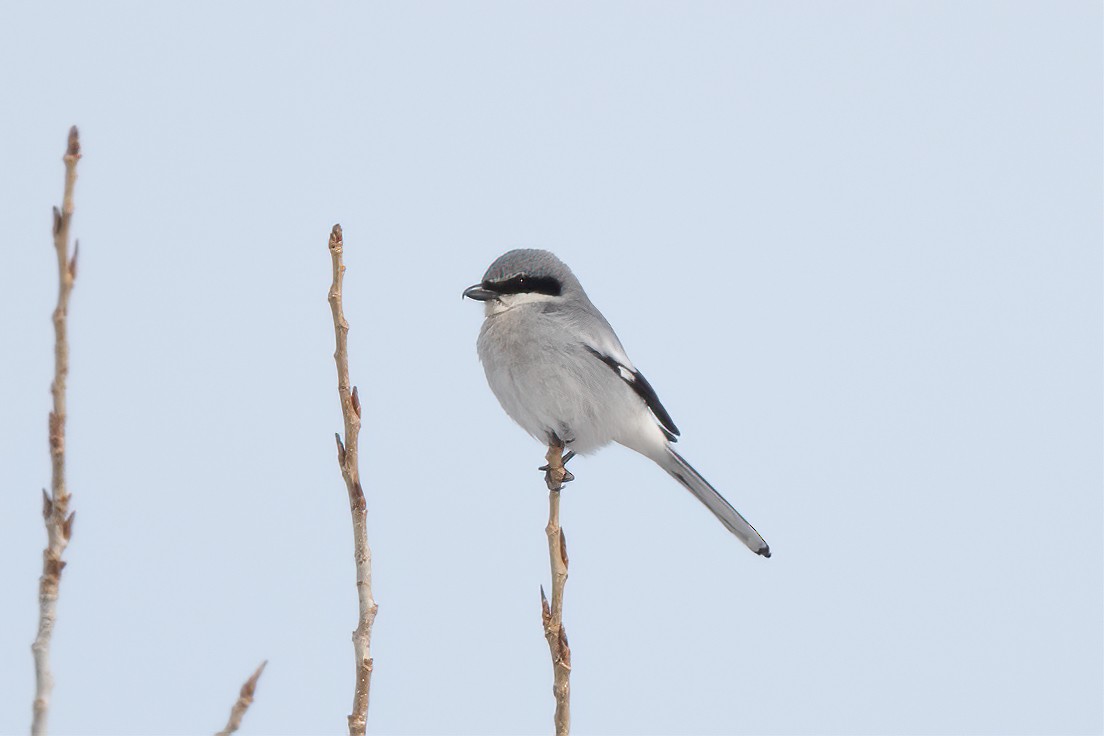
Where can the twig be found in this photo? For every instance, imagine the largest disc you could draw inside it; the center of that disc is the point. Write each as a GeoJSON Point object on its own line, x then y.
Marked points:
{"type": "Point", "coordinates": [556, 475]}
{"type": "Point", "coordinates": [350, 471]}
{"type": "Point", "coordinates": [55, 506]}
{"type": "Point", "coordinates": [245, 699]}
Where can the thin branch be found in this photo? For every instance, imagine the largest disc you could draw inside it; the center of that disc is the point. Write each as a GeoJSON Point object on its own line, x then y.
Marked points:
{"type": "Point", "coordinates": [350, 471]}
{"type": "Point", "coordinates": [55, 506]}
{"type": "Point", "coordinates": [552, 615]}
{"type": "Point", "coordinates": [245, 699]}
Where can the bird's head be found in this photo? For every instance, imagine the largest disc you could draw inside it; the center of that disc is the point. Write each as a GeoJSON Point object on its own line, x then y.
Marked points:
{"type": "Point", "coordinates": [521, 277]}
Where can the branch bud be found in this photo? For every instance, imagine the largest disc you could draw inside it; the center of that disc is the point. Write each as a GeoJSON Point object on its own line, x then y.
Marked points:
{"type": "Point", "coordinates": [340, 451]}
{"type": "Point", "coordinates": [73, 147]}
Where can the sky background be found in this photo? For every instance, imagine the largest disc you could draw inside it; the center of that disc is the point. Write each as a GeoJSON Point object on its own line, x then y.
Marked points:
{"type": "Point", "coordinates": [856, 247]}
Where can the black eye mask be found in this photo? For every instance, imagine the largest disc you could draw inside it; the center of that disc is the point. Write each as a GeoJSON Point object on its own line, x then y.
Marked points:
{"type": "Point", "coordinates": [523, 284]}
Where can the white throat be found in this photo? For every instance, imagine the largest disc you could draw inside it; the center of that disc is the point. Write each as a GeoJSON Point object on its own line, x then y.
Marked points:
{"type": "Point", "coordinates": [507, 302]}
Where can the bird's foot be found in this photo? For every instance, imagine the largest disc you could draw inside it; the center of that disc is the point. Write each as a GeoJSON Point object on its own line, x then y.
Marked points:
{"type": "Point", "coordinates": [563, 461]}
{"type": "Point", "coordinates": [549, 475]}
{"type": "Point", "coordinates": [555, 474]}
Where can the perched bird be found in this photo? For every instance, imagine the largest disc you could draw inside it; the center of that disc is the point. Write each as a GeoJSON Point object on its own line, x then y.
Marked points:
{"type": "Point", "coordinates": [560, 372]}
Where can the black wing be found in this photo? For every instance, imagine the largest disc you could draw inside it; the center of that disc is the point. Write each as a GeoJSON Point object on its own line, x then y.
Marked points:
{"type": "Point", "coordinates": [644, 390]}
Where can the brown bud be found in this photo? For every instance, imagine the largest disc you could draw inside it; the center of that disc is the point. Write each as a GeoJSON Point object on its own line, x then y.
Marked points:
{"type": "Point", "coordinates": [73, 148]}
{"type": "Point", "coordinates": [73, 260]}
{"type": "Point", "coordinates": [250, 686]}
{"type": "Point", "coordinates": [546, 610]}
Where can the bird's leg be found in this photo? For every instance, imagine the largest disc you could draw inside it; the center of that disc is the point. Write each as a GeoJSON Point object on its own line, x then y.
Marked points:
{"type": "Point", "coordinates": [555, 474]}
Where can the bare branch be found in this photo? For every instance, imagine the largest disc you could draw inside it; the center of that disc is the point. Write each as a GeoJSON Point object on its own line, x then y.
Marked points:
{"type": "Point", "coordinates": [347, 458]}
{"type": "Point", "coordinates": [59, 522]}
{"type": "Point", "coordinates": [245, 699]}
{"type": "Point", "coordinates": [552, 614]}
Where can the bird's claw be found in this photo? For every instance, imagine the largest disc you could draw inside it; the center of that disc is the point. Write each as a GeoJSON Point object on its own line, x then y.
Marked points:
{"type": "Point", "coordinates": [567, 476]}
{"type": "Point", "coordinates": [564, 460]}
{"type": "Point", "coordinates": [550, 479]}
{"type": "Point", "coordinates": [556, 477]}
{"type": "Point", "coordinates": [555, 474]}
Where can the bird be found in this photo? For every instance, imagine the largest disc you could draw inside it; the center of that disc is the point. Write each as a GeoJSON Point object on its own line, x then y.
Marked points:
{"type": "Point", "coordinates": [558, 369]}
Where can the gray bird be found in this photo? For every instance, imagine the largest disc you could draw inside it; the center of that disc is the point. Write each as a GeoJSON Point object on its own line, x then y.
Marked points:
{"type": "Point", "coordinates": [560, 372]}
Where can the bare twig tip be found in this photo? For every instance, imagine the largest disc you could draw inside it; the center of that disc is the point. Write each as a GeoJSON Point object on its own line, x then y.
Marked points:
{"type": "Point", "coordinates": [245, 699]}
{"type": "Point", "coordinates": [73, 148]}
{"type": "Point", "coordinates": [250, 686]}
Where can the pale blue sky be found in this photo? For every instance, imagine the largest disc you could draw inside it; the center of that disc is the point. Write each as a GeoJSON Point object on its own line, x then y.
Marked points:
{"type": "Point", "coordinates": [856, 247]}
